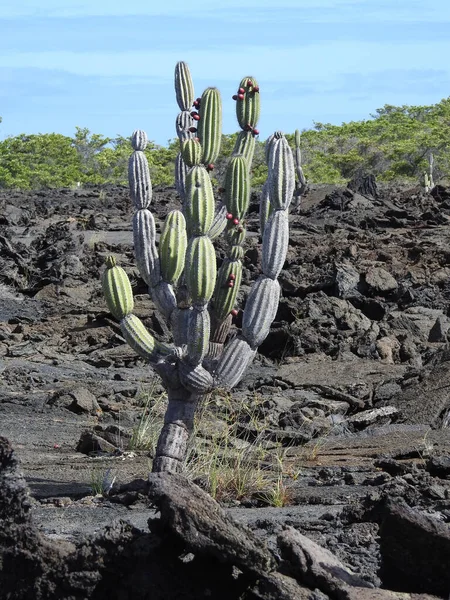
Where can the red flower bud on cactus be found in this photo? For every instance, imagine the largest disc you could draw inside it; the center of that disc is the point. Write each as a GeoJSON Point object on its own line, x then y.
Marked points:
{"type": "Point", "coordinates": [255, 132]}
{"type": "Point", "coordinates": [210, 167]}
{"type": "Point", "coordinates": [235, 97]}
{"type": "Point", "coordinates": [236, 221]}
{"type": "Point", "coordinates": [232, 277]}
{"type": "Point", "coordinates": [230, 284]}
{"type": "Point", "coordinates": [229, 216]}
{"type": "Point", "coordinates": [240, 230]}
{"type": "Point", "coordinates": [249, 82]}
{"type": "Point", "coordinates": [195, 116]}
{"type": "Point", "coordinates": [256, 88]}
{"type": "Point", "coordinates": [241, 91]}
{"type": "Point", "coordinates": [196, 103]}
{"type": "Point", "coordinates": [234, 312]}
{"type": "Point", "coordinates": [240, 96]}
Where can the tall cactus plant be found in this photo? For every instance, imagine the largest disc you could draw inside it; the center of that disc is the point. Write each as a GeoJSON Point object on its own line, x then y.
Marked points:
{"type": "Point", "coordinates": [196, 299]}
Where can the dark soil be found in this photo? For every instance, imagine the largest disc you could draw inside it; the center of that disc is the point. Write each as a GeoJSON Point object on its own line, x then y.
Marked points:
{"type": "Point", "coordinates": [351, 385]}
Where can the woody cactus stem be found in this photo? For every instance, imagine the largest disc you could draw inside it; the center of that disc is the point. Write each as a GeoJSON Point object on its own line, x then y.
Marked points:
{"type": "Point", "coordinates": [196, 301]}
{"type": "Point", "coordinates": [300, 184]}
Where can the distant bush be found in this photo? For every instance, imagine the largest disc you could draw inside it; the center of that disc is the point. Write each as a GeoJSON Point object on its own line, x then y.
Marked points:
{"type": "Point", "coordinates": [394, 145]}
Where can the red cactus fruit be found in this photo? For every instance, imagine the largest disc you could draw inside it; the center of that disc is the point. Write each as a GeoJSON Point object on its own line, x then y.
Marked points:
{"type": "Point", "coordinates": [195, 116]}
{"type": "Point", "coordinates": [192, 130]}
{"type": "Point", "coordinates": [232, 277]}
{"type": "Point", "coordinates": [241, 91]}
{"type": "Point", "coordinates": [229, 216]}
{"type": "Point", "coordinates": [240, 96]}
{"type": "Point", "coordinates": [236, 221]}
{"type": "Point", "coordinates": [210, 167]}
{"type": "Point", "coordinates": [255, 88]}
{"type": "Point", "coordinates": [234, 312]}
{"type": "Point", "coordinates": [249, 82]}
{"type": "Point", "coordinates": [231, 284]}
{"type": "Point", "coordinates": [255, 132]}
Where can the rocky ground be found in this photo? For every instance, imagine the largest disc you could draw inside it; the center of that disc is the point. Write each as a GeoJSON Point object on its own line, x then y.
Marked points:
{"type": "Point", "coordinates": [336, 443]}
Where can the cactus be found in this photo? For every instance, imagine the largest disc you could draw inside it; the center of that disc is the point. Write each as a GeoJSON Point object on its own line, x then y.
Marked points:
{"type": "Point", "coordinates": [300, 184]}
{"type": "Point", "coordinates": [197, 300]}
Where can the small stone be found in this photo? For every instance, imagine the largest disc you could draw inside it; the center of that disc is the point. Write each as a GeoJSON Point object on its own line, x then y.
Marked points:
{"type": "Point", "coordinates": [379, 280]}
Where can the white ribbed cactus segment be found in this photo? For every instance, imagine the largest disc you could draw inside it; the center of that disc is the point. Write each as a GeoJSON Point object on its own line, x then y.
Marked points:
{"type": "Point", "coordinates": [219, 222]}
{"type": "Point", "coordinates": [233, 362]}
{"type": "Point", "coordinates": [227, 286]}
{"type": "Point", "coordinates": [184, 87]}
{"type": "Point", "coordinates": [265, 208]}
{"type": "Point", "coordinates": [181, 170]}
{"type": "Point", "coordinates": [199, 201]}
{"type": "Point", "coordinates": [172, 246]}
{"type": "Point", "coordinates": [183, 124]}
{"type": "Point", "coordinates": [139, 140]}
{"type": "Point", "coordinates": [245, 145]}
{"type": "Point", "coordinates": [196, 379]}
{"type": "Point", "coordinates": [275, 243]}
{"type": "Point", "coordinates": [117, 289]}
{"type": "Point", "coordinates": [248, 108]}
{"type": "Point", "coordinates": [142, 342]}
{"type": "Point", "coordinates": [237, 186]}
{"type": "Point", "coordinates": [260, 310]}
{"type": "Point", "coordinates": [281, 174]}
{"type": "Point", "coordinates": [200, 269]}
{"type": "Point", "coordinates": [179, 321]}
{"type": "Point", "coordinates": [144, 234]}
{"type": "Point", "coordinates": [268, 145]}
{"type": "Point", "coordinates": [210, 125]}
{"type": "Point", "coordinates": [198, 335]}
{"type": "Point", "coordinates": [164, 298]}
{"type": "Point", "coordinates": [139, 180]}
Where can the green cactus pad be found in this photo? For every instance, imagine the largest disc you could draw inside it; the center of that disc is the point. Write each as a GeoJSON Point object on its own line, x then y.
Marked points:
{"type": "Point", "coordinates": [172, 246]}
{"type": "Point", "coordinates": [184, 87]}
{"type": "Point", "coordinates": [200, 269]}
{"type": "Point", "coordinates": [199, 201]}
{"type": "Point", "coordinates": [227, 286]}
{"type": "Point", "coordinates": [144, 344]}
{"type": "Point", "coordinates": [245, 145]}
{"type": "Point", "coordinates": [210, 125]}
{"type": "Point", "coordinates": [235, 235]}
{"type": "Point", "coordinates": [237, 185]}
{"type": "Point", "coordinates": [117, 289]}
{"type": "Point", "coordinates": [236, 253]}
{"type": "Point", "coordinates": [191, 151]}
{"type": "Point", "coordinates": [248, 109]}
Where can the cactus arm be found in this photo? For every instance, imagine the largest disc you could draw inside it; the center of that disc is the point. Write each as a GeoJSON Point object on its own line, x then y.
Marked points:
{"type": "Point", "coordinates": [300, 184]}
{"type": "Point", "coordinates": [184, 87]}
{"type": "Point", "coordinates": [210, 125]}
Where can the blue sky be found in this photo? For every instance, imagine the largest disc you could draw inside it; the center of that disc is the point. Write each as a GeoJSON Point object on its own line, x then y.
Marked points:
{"type": "Point", "coordinates": [108, 65]}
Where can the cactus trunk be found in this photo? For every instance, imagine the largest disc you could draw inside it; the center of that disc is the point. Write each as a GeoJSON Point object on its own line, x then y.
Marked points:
{"type": "Point", "coordinates": [178, 425]}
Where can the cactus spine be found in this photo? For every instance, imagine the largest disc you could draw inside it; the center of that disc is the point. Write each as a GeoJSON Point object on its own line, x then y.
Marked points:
{"type": "Point", "coordinates": [196, 300]}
